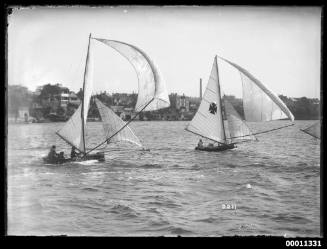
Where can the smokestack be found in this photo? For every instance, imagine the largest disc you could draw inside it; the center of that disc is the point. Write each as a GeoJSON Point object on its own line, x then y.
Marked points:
{"type": "Point", "coordinates": [200, 88]}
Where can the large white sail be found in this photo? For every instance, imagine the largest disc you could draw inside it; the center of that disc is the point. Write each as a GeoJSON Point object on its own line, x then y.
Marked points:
{"type": "Point", "coordinates": [237, 129]}
{"type": "Point", "coordinates": [260, 103]}
{"type": "Point", "coordinates": [71, 131]}
{"type": "Point", "coordinates": [151, 86]}
{"type": "Point", "coordinates": [313, 130]}
{"type": "Point", "coordinates": [87, 88]}
{"type": "Point", "coordinates": [112, 123]}
{"type": "Point", "coordinates": [74, 129]}
{"type": "Point", "coordinates": [208, 121]}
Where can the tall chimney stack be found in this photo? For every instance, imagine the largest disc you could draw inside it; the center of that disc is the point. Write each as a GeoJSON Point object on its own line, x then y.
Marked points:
{"type": "Point", "coordinates": [200, 88]}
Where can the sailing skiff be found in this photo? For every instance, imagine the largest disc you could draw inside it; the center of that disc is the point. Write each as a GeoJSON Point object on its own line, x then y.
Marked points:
{"type": "Point", "coordinates": [259, 103]}
{"type": "Point", "coordinates": [152, 95]}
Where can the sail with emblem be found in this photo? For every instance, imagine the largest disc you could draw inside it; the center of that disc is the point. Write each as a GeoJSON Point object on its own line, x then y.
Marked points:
{"type": "Point", "coordinates": [73, 132]}
{"type": "Point", "coordinates": [313, 130]}
{"type": "Point", "coordinates": [259, 104]}
{"type": "Point", "coordinates": [112, 123]}
{"type": "Point", "coordinates": [208, 120]}
{"type": "Point", "coordinates": [152, 93]}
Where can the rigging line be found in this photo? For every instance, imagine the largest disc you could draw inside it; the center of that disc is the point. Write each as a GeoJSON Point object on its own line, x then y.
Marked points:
{"type": "Point", "coordinates": [309, 133]}
{"type": "Point", "coordinates": [142, 149]}
{"type": "Point", "coordinates": [265, 131]}
{"type": "Point", "coordinates": [210, 90]}
{"type": "Point", "coordinates": [120, 128]}
{"type": "Point", "coordinates": [68, 142]}
{"type": "Point", "coordinates": [203, 136]}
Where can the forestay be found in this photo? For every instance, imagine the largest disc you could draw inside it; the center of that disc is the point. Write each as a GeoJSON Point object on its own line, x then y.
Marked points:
{"type": "Point", "coordinates": [112, 123]}
{"type": "Point", "coordinates": [260, 103]}
{"type": "Point", "coordinates": [208, 121]}
{"type": "Point", "coordinates": [313, 130]}
{"type": "Point", "coordinates": [151, 86]}
{"type": "Point", "coordinates": [238, 130]}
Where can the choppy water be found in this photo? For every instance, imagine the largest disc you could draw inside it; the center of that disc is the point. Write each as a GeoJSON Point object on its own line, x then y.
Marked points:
{"type": "Point", "coordinates": [170, 190]}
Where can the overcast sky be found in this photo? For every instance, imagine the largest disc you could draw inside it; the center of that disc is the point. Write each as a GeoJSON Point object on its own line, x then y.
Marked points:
{"type": "Point", "coordinates": [278, 45]}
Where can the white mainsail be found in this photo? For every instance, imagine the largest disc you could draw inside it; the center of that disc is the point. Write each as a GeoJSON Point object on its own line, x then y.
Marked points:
{"type": "Point", "coordinates": [238, 129]}
{"type": "Point", "coordinates": [112, 124]}
{"type": "Point", "coordinates": [313, 130]}
{"type": "Point", "coordinates": [260, 103]}
{"type": "Point", "coordinates": [151, 86]}
{"type": "Point", "coordinates": [208, 120]}
{"type": "Point", "coordinates": [73, 131]}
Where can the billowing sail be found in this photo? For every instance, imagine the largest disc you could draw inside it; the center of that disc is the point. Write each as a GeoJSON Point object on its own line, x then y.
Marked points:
{"type": "Point", "coordinates": [112, 123]}
{"type": "Point", "coordinates": [237, 129]}
{"type": "Point", "coordinates": [259, 103]}
{"type": "Point", "coordinates": [71, 132]}
{"type": "Point", "coordinates": [151, 86]}
{"type": "Point", "coordinates": [208, 121]}
{"type": "Point", "coordinates": [313, 130]}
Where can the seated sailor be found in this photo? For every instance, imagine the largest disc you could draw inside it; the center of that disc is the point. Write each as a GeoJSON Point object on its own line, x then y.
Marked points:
{"type": "Point", "coordinates": [53, 154]}
{"type": "Point", "coordinates": [73, 153]}
{"type": "Point", "coordinates": [61, 155]}
{"type": "Point", "coordinates": [200, 143]}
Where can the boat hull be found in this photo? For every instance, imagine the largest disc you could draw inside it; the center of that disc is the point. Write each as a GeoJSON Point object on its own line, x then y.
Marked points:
{"type": "Point", "coordinates": [97, 156]}
{"type": "Point", "coordinates": [217, 148]}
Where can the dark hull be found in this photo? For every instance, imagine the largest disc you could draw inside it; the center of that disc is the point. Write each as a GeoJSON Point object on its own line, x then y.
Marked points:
{"type": "Point", "coordinates": [97, 156]}
{"type": "Point", "coordinates": [217, 148]}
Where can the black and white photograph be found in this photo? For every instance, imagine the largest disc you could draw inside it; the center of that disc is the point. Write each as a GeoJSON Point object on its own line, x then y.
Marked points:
{"type": "Point", "coordinates": [174, 121]}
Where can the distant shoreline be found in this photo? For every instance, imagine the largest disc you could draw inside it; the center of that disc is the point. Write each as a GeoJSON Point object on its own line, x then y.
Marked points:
{"type": "Point", "coordinates": [47, 122]}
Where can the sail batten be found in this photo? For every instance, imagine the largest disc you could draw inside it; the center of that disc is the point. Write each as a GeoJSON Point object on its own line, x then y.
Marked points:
{"type": "Point", "coordinates": [150, 82]}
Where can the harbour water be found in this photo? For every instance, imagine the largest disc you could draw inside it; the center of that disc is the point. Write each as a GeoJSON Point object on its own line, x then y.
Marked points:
{"type": "Point", "coordinates": [274, 184]}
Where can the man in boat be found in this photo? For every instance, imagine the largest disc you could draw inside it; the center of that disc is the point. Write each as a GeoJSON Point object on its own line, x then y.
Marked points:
{"type": "Point", "coordinates": [53, 154]}
{"type": "Point", "coordinates": [200, 143]}
{"type": "Point", "coordinates": [73, 153]}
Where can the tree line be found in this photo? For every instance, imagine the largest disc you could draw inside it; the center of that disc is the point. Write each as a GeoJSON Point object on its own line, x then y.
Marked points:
{"type": "Point", "coordinates": [19, 96]}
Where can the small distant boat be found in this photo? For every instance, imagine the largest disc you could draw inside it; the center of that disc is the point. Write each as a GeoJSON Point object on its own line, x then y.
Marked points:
{"type": "Point", "coordinates": [313, 130]}
{"type": "Point", "coordinates": [152, 95]}
{"type": "Point", "coordinates": [259, 104]}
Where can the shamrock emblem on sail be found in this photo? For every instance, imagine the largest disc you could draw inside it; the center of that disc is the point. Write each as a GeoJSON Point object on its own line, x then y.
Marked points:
{"type": "Point", "coordinates": [213, 108]}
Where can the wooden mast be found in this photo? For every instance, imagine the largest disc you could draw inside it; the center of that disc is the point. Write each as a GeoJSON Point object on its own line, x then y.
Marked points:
{"type": "Point", "coordinates": [82, 111]}
{"type": "Point", "coordinates": [219, 96]}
